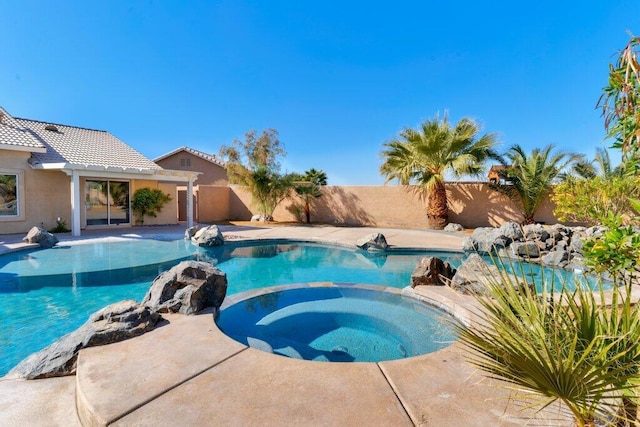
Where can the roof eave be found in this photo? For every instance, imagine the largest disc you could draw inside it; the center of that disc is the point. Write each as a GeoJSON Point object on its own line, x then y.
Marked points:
{"type": "Point", "coordinates": [11, 147]}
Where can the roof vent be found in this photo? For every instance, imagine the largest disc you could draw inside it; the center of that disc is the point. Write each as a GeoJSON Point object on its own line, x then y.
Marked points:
{"type": "Point", "coordinates": [51, 128]}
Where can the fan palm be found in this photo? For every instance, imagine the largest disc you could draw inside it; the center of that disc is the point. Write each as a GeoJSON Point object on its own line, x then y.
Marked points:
{"type": "Point", "coordinates": [532, 175]}
{"type": "Point", "coordinates": [309, 187]}
{"type": "Point", "coordinates": [426, 155]}
{"type": "Point", "coordinates": [566, 347]}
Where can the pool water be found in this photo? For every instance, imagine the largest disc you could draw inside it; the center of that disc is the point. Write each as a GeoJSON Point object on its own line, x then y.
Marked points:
{"type": "Point", "coordinates": [337, 324]}
{"type": "Point", "coordinates": [47, 293]}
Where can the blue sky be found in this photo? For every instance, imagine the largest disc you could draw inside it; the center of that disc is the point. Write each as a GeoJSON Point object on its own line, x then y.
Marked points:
{"type": "Point", "coordinates": [337, 79]}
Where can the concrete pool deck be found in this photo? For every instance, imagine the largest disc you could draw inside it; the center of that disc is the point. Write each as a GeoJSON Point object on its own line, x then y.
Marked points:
{"type": "Point", "coordinates": [187, 372]}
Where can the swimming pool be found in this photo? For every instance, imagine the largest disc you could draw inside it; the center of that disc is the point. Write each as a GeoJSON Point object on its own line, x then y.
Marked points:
{"type": "Point", "coordinates": [337, 323]}
{"type": "Point", "coordinates": [47, 293]}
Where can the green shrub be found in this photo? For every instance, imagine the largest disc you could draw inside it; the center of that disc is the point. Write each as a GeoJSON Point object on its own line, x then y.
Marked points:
{"type": "Point", "coordinates": [148, 201]}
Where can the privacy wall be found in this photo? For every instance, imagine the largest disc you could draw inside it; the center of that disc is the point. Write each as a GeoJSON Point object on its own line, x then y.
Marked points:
{"type": "Point", "coordinates": [471, 204]}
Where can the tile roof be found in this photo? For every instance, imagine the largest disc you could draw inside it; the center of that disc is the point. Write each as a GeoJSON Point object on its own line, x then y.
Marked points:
{"type": "Point", "coordinates": [208, 157]}
{"type": "Point", "coordinates": [84, 147]}
{"type": "Point", "coordinates": [15, 137]}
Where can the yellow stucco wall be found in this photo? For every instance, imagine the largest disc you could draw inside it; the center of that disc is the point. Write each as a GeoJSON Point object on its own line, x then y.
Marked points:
{"type": "Point", "coordinates": [168, 214]}
{"type": "Point", "coordinates": [47, 195]}
{"type": "Point", "coordinates": [470, 204]}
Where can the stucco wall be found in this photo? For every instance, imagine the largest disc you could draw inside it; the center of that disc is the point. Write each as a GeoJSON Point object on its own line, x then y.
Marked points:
{"type": "Point", "coordinates": [47, 195]}
{"type": "Point", "coordinates": [213, 203]}
{"type": "Point", "coordinates": [470, 204]}
{"type": "Point", "coordinates": [211, 174]}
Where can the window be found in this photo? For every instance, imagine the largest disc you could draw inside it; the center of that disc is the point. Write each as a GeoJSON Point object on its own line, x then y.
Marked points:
{"type": "Point", "coordinates": [185, 161]}
{"type": "Point", "coordinates": [9, 193]}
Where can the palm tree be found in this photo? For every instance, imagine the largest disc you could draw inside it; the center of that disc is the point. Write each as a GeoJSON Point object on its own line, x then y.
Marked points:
{"type": "Point", "coordinates": [426, 155]}
{"type": "Point", "coordinates": [531, 176]}
{"type": "Point", "coordinates": [601, 165]}
{"type": "Point", "coordinates": [309, 187]}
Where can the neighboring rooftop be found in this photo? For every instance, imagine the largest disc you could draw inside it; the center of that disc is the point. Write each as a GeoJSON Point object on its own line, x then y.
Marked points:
{"type": "Point", "coordinates": [71, 145]}
{"type": "Point", "coordinates": [16, 138]}
{"type": "Point", "coordinates": [208, 157]}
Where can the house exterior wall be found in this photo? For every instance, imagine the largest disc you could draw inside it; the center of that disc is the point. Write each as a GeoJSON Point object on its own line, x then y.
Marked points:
{"type": "Point", "coordinates": [169, 213]}
{"type": "Point", "coordinates": [470, 204]}
{"type": "Point", "coordinates": [46, 195]}
{"type": "Point", "coordinates": [211, 174]}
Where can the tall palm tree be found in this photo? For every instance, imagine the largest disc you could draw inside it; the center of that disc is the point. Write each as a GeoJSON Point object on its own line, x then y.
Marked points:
{"type": "Point", "coordinates": [532, 175]}
{"type": "Point", "coordinates": [426, 155]}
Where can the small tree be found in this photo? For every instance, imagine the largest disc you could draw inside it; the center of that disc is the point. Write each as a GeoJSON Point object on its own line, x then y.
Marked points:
{"type": "Point", "coordinates": [148, 201]}
{"type": "Point", "coordinates": [309, 187]}
{"type": "Point", "coordinates": [255, 163]}
{"type": "Point", "coordinates": [268, 189]}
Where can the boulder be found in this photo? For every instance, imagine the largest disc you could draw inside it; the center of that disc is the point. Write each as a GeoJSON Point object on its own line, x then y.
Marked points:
{"type": "Point", "coordinates": [576, 265]}
{"type": "Point", "coordinates": [487, 240]}
{"type": "Point", "coordinates": [116, 322]}
{"type": "Point", "coordinates": [190, 232]}
{"type": "Point", "coordinates": [474, 276]}
{"type": "Point", "coordinates": [535, 232]}
{"type": "Point", "coordinates": [577, 242]}
{"type": "Point", "coordinates": [187, 288]}
{"type": "Point", "coordinates": [512, 230]}
{"type": "Point", "coordinates": [261, 218]}
{"type": "Point", "coordinates": [40, 236]}
{"type": "Point", "coordinates": [557, 258]}
{"type": "Point", "coordinates": [525, 249]}
{"type": "Point", "coordinates": [432, 271]}
{"type": "Point", "coordinates": [595, 231]}
{"type": "Point", "coordinates": [373, 242]}
{"type": "Point", "coordinates": [469, 245]}
{"type": "Point", "coordinates": [208, 237]}
{"type": "Point", "coordinates": [453, 228]}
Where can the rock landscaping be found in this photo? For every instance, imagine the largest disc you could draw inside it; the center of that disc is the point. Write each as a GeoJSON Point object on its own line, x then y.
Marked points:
{"type": "Point", "coordinates": [210, 236]}
{"type": "Point", "coordinates": [40, 236]}
{"type": "Point", "coordinates": [551, 245]}
{"type": "Point", "coordinates": [187, 288]}
{"type": "Point", "coordinates": [116, 322]}
{"type": "Point", "coordinates": [373, 242]}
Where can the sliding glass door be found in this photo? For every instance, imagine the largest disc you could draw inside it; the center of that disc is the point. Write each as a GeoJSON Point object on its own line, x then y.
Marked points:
{"type": "Point", "coordinates": [107, 202]}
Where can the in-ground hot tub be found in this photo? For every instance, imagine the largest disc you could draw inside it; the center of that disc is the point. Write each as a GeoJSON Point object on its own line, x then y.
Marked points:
{"type": "Point", "coordinates": [336, 323]}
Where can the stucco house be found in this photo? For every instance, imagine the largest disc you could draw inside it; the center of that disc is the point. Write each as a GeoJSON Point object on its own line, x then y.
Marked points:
{"type": "Point", "coordinates": [210, 195]}
{"type": "Point", "coordinates": [85, 177]}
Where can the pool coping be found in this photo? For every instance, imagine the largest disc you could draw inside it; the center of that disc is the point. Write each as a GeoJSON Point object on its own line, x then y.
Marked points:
{"type": "Point", "coordinates": [250, 386]}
